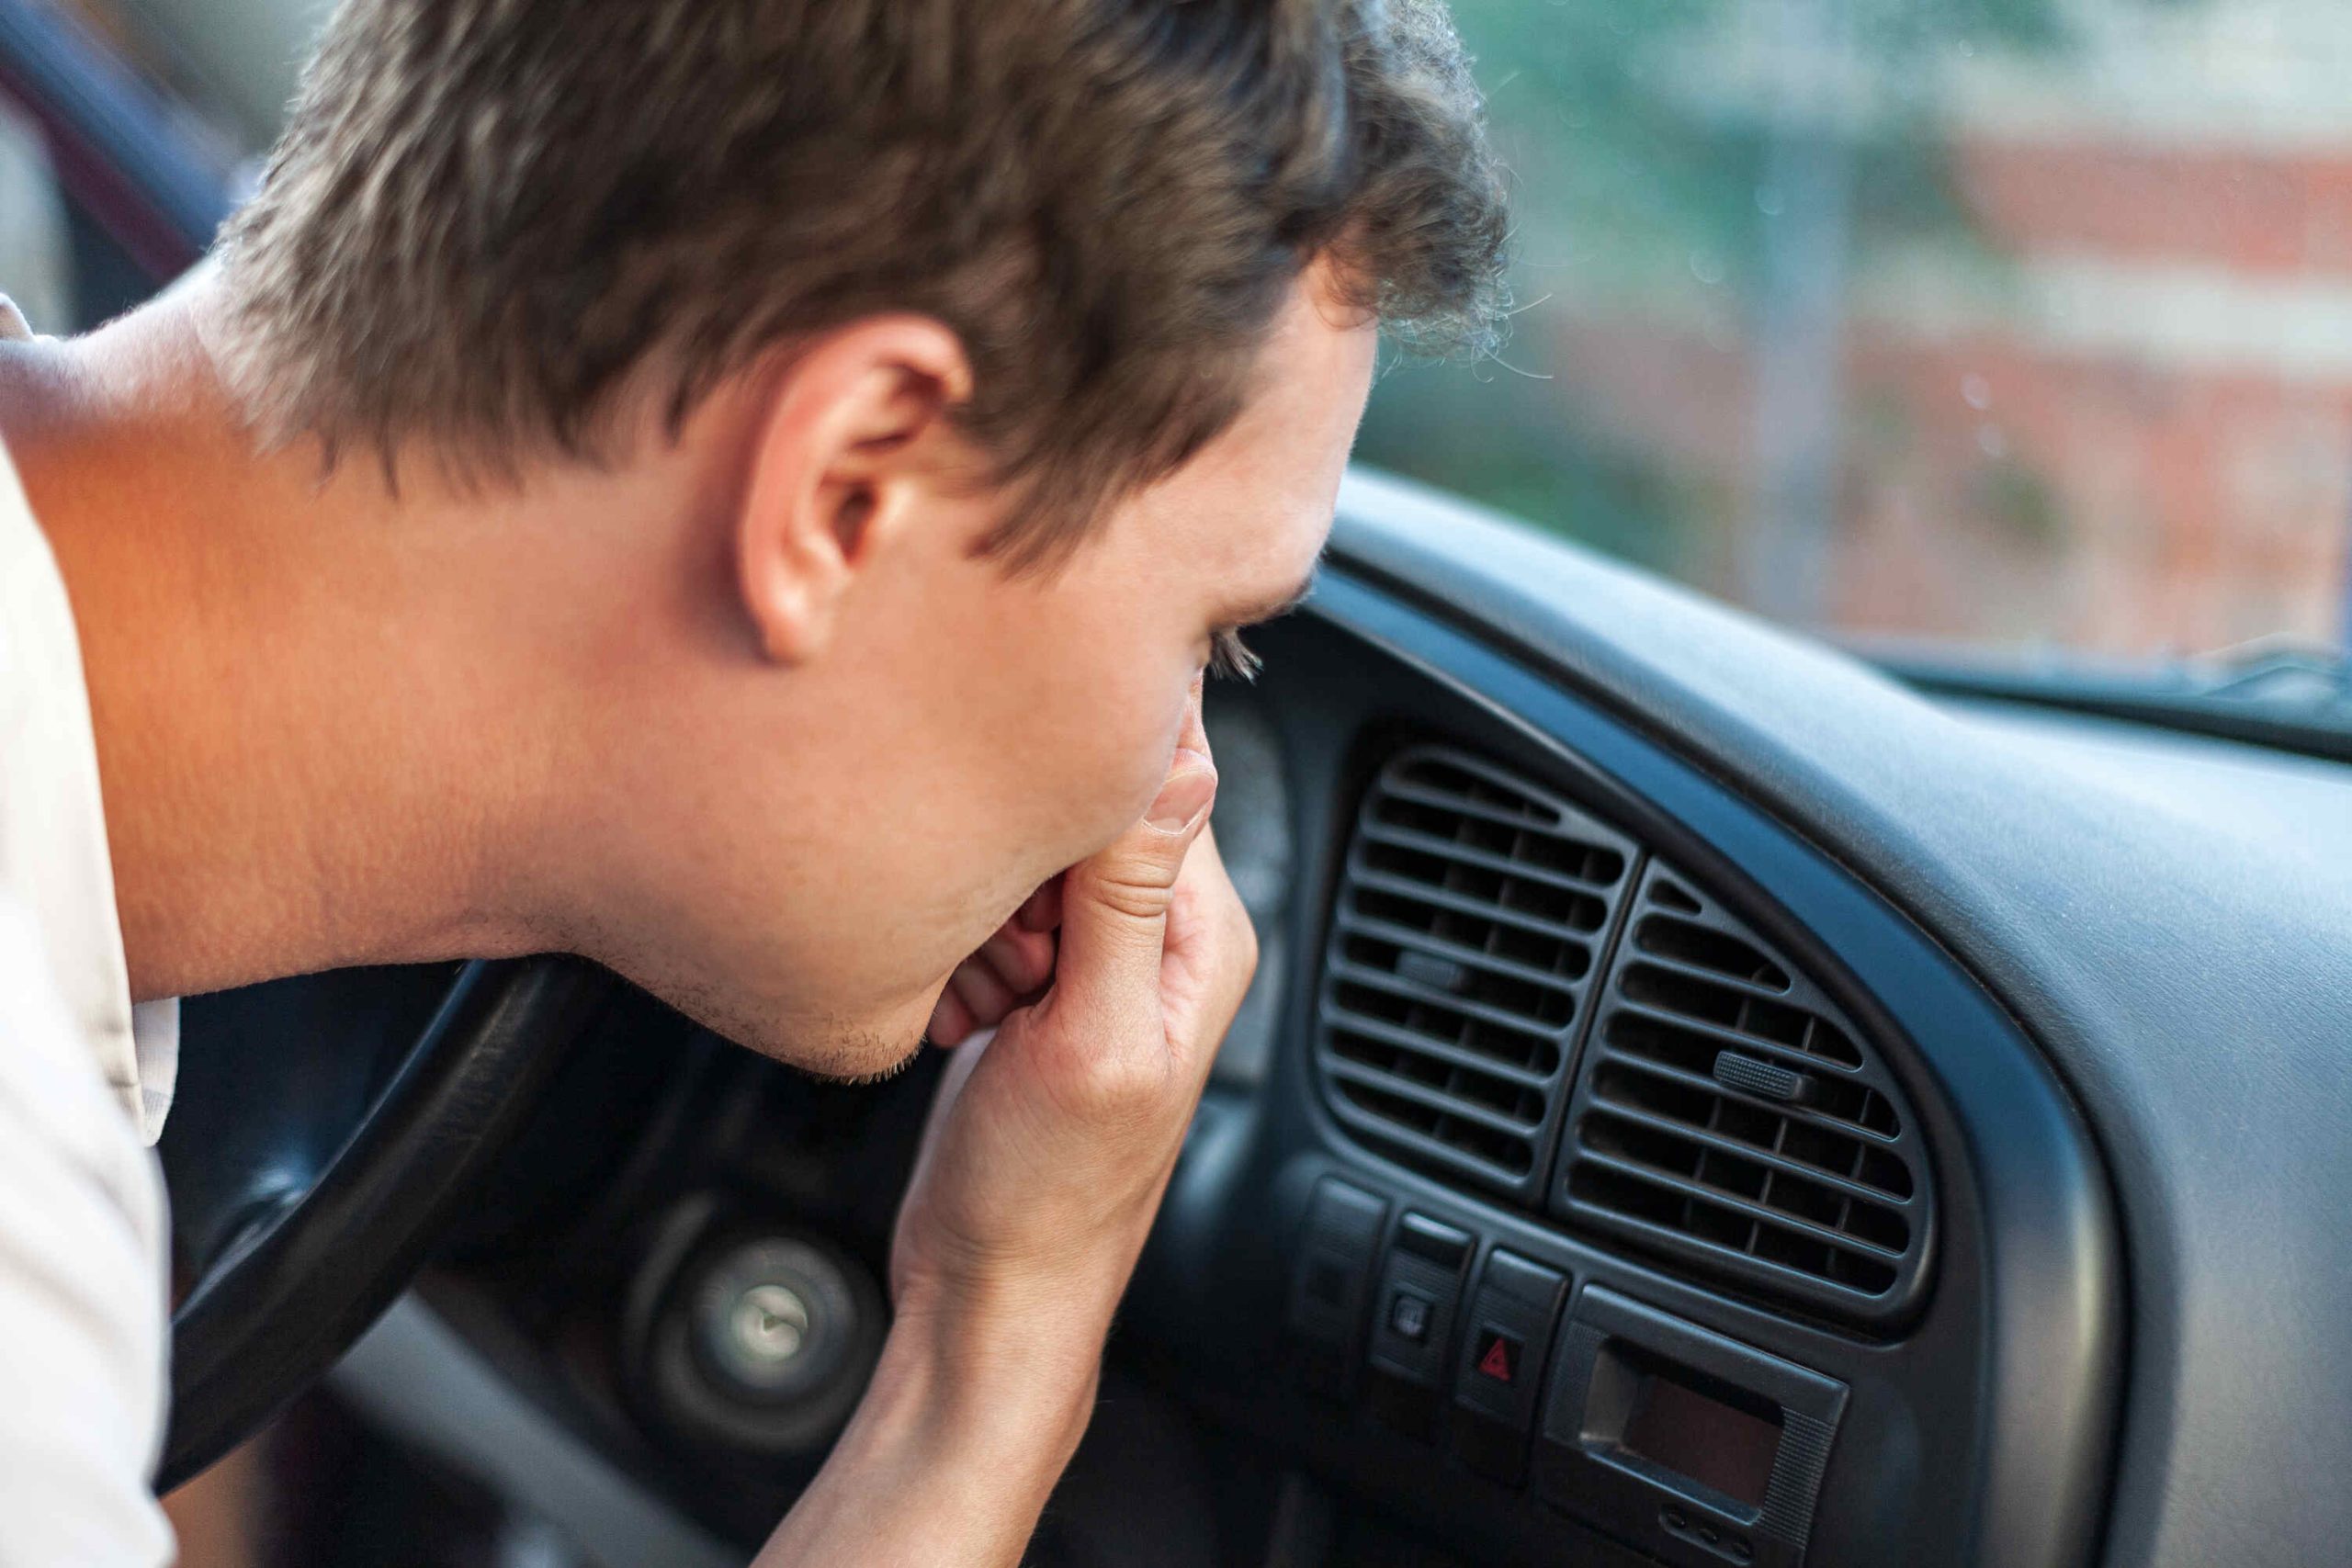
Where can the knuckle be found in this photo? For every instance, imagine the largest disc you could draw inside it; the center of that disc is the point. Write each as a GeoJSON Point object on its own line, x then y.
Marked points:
{"type": "Point", "coordinates": [1135, 894]}
{"type": "Point", "coordinates": [1124, 1088]}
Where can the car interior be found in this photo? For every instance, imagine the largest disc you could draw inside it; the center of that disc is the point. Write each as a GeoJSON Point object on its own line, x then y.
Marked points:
{"type": "Point", "coordinates": [1718, 1090]}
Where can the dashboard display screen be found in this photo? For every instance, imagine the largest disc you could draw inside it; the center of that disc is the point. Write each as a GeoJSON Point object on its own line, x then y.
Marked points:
{"type": "Point", "coordinates": [1677, 1428]}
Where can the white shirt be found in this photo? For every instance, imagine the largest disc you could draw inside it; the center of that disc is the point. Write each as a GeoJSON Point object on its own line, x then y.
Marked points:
{"type": "Point", "coordinates": [85, 1079]}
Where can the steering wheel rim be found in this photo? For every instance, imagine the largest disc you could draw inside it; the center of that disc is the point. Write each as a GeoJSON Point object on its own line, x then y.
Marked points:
{"type": "Point", "coordinates": [308, 1273]}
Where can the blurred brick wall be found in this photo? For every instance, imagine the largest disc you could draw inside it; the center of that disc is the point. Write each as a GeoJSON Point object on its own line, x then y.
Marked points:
{"type": "Point", "coordinates": [2115, 411]}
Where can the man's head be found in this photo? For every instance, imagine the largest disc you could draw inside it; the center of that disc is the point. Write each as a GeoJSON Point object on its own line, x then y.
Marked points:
{"type": "Point", "coordinates": [973, 366]}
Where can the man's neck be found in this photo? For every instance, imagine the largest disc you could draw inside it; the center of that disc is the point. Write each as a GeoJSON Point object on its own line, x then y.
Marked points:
{"type": "Point", "coordinates": [309, 752]}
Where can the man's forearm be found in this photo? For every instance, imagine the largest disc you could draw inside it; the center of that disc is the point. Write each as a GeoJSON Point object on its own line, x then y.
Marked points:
{"type": "Point", "coordinates": [951, 1455]}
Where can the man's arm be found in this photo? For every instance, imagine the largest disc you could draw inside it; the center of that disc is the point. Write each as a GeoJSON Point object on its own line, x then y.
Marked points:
{"type": "Point", "coordinates": [1041, 1169]}
{"type": "Point", "coordinates": [950, 1457]}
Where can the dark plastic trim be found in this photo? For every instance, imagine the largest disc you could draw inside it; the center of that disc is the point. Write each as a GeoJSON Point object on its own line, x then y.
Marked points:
{"type": "Point", "coordinates": [1910, 1273]}
{"type": "Point", "coordinates": [1575, 823]}
{"type": "Point", "coordinates": [2054, 1333]}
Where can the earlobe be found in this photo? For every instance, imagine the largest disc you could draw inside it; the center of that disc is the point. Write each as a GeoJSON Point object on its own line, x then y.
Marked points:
{"type": "Point", "coordinates": [844, 444]}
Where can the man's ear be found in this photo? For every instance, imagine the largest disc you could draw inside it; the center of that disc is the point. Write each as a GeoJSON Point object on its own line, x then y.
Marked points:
{"type": "Point", "coordinates": [850, 438]}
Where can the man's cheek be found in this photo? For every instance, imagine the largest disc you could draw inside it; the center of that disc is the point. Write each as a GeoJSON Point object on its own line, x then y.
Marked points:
{"type": "Point", "coordinates": [1112, 793]}
{"type": "Point", "coordinates": [1146, 770]}
{"type": "Point", "coordinates": [1114, 762]}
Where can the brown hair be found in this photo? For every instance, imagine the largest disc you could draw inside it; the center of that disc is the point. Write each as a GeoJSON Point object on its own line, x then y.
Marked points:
{"type": "Point", "coordinates": [488, 219]}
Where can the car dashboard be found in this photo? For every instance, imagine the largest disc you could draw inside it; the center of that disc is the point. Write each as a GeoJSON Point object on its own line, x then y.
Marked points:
{"type": "Point", "coordinates": [1701, 1103]}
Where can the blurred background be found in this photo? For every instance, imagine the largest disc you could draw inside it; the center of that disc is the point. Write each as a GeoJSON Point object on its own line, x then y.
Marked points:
{"type": "Point", "coordinates": [1967, 330]}
{"type": "Point", "coordinates": [1988, 324]}
{"type": "Point", "coordinates": [2008, 322]}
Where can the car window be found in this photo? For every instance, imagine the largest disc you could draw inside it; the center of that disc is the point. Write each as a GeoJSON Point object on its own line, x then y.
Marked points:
{"type": "Point", "coordinates": [1992, 321]}
{"type": "Point", "coordinates": [36, 259]}
{"type": "Point", "coordinates": [117, 160]}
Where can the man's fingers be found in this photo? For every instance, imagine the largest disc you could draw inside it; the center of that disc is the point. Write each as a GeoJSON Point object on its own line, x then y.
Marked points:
{"type": "Point", "coordinates": [1043, 911]}
{"type": "Point", "coordinates": [985, 997]}
{"type": "Point", "coordinates": [1115, 905]}
{"type": "Point", "coordinates": [1211, 951]}
{"type": "Point", "coordinates": [1009, 968]}
{"type": "Point", "coordinates": [950, 1019]}
{"type": "Point", "coordinates": [1023, 960]}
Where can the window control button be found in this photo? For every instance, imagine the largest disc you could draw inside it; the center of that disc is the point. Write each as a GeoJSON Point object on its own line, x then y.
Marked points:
{"type": "Point", "coordinates": [1333, 1275]}
{"type": "Point", "coordinates": [1418, 1309]}
{"type": "Point", "coordinates": [1332, 1283]}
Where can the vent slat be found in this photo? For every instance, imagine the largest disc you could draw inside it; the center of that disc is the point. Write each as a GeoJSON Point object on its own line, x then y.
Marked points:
{"type": "Point", "coordinates": [1767, 1018]}
{"type": "Point", "coordinates": [1461, 904]}
{"type": "Point", "coordinates": [1770, 1159]}
{"type": "Point", "coordinates": [1464, 944]}
{"type": "Point", "coordinates": [1468, 854]}
{"type": "Point", "coordinates": [1435, 1100]}
{"type": "Point", "coordinates": [1428, 1149]}
{"type": "Point", "coordinates": [1700, 1083]}
{"type": "Point", "coordinates": [1688, 943]}
{"type": "Point", "coordinates": [1477, 958]}
{"type": "Point", "coordinates": [1413, 990]}
{"type": "Point", "coordinates": [1699, 974]}
{"type": "Point", "coordinates": [1450, 1054]}
{"type": "Point", "coordinates": [1427, 794]}
{"type": "Point", "coordinates": [1761, 1214]}
{"type": "Point", "coordinates": [1731, 1038]}
{"type": "Point", "coordinates": [1822, 1195]}
{"type": "Point", "coordinates": [1681, 1238]}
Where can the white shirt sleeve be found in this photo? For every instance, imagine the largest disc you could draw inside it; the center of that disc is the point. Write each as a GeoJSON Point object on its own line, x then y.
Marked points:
{"type": "Point", "coordinates": [84, 1291]}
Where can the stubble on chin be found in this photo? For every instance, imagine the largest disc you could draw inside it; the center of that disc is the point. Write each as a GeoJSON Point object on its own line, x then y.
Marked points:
{"type": "Point", "coordinates": [854, 1055]}
{"type": "Point", "coordinates": [834, 1048]}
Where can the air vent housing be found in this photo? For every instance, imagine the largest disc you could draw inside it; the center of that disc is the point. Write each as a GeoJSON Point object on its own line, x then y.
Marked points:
{"type": "Point", "coordinates": [1729, 1115]}
{"type": "Point", "coordinates": [1470, 922]}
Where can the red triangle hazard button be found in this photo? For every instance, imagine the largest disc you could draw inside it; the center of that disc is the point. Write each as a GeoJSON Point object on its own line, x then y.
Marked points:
{"type": "Point", "coordinates": [1501, 1360]}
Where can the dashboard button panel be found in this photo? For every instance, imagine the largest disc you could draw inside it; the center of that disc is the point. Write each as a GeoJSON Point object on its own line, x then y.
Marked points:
{"type": "Point", "coordinates": [1420, 1293]}
{"type": "Point", "coordinates": [1413, 1322]}
{"type": "Point", "coordinates": [1511, 1317]}
{"type": "Point", "coordinates": [1331, 1279]}
{"type": "Point", "coordinates": [1695, 1447]}
{"type": "Point", "coordinates": [1499, 1370]}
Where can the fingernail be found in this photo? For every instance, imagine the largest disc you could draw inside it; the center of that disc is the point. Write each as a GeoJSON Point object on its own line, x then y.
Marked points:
{"type": "Point", "coordinates": [1184, 798]}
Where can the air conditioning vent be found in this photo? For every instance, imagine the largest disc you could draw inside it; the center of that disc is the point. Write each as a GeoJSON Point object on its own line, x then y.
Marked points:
{"type": "Point", "coordinates": [1729, 1115]}
{"type": "Point", "coordinates": [1468, 927]}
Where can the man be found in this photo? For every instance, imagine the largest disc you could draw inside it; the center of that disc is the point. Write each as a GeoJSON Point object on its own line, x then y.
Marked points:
{"type": "Point", "coordinates": [744, 491]}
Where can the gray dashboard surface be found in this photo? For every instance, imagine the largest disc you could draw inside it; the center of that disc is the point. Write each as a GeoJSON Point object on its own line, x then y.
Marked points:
{"type": "Point", "coordinates": [2171, 920]}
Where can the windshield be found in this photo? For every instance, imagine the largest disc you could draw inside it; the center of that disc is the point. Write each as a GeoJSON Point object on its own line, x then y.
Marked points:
{"type": "Point", "coordinates": [2011, 323]}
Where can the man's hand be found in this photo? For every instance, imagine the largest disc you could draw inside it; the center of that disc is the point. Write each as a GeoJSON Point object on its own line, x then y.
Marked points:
{"type": "Point", "coordinates": [1043, 1165]}
{"type": "Point", "coordinates": [1046, 1155]}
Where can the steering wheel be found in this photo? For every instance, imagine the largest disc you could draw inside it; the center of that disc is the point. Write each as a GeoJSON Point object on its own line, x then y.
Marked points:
{"type": "Point", "coordinates": [310, 1224]}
